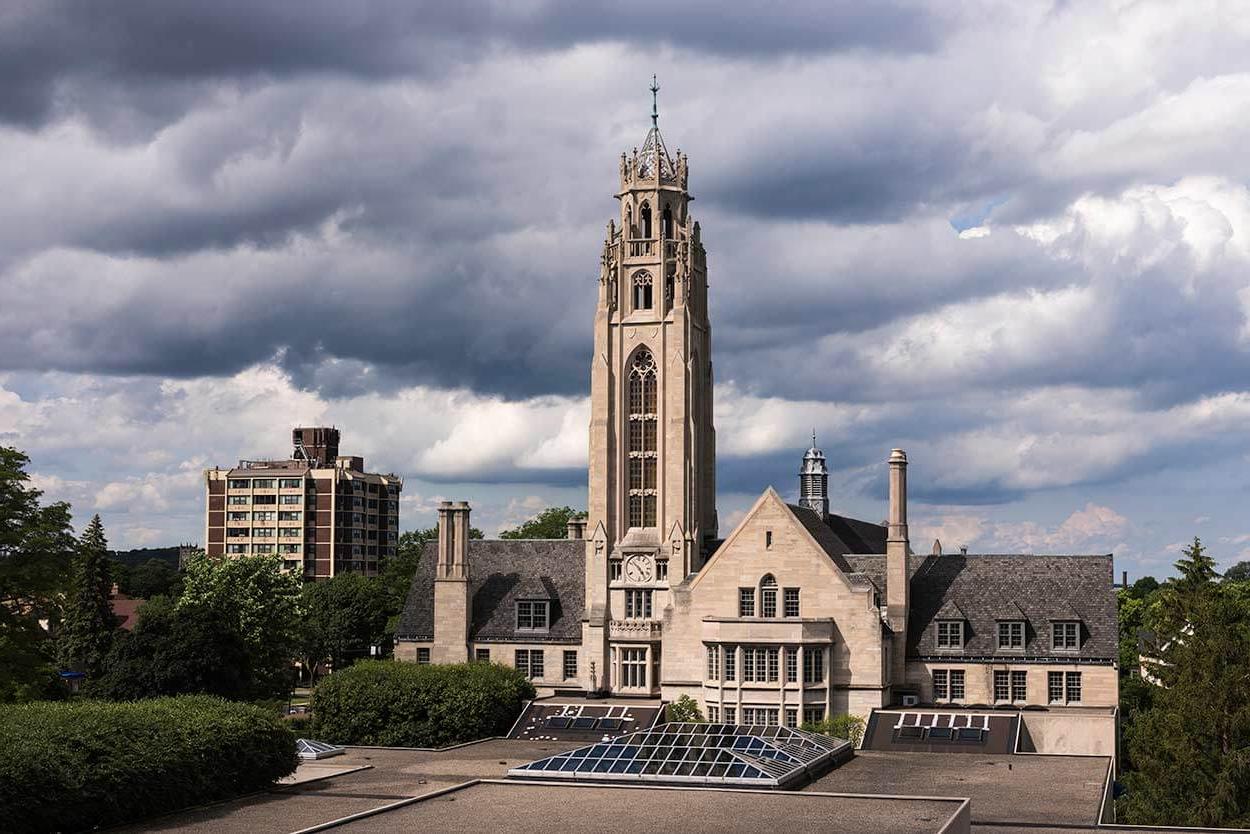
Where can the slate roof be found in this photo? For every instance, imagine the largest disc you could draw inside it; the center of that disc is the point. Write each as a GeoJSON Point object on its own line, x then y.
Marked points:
{"type": "Point", "coordinates": [1041, 588]}
{"type": "Point", "coordinates": [839, 535]}
{"type": "Point", "coordinates": [500, 573]}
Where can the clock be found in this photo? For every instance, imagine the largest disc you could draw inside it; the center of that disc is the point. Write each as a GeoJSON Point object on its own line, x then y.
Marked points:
{"type": "Point", "coordinates": [638, 569]}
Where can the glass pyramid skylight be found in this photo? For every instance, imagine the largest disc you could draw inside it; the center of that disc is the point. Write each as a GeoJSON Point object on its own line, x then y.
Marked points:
{"type": "Point", "coordinates": [307, 748]}
{"type": "Point", "coordinates": [717, 754]}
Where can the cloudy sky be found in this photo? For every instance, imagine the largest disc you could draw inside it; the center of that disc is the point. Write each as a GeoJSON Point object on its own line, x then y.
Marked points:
{"type": "Point", "coordinates": [1012, 238]}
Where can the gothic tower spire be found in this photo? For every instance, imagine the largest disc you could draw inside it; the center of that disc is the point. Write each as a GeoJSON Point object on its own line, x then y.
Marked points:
{"type": "Point", "coordinates": [652, 474]}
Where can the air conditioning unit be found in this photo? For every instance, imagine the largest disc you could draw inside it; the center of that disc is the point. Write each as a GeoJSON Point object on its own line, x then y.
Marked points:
{"type": "Point", "coordinates": [911, 700]}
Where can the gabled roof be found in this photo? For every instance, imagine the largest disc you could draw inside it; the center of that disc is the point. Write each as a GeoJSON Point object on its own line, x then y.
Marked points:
{"type": "Point", "coordinates": [840, 536]}
{"type": "Point", "coordinates": [500, 573]}
{"type": "Point", "coordinates": [950, 610]}
{"type": "Point", "coordinates": [1033, 588]}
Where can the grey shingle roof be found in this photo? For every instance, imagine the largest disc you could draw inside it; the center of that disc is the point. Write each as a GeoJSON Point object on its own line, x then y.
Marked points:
{"type": "Point", "coordinates": [500, 573]}
{"type": "Point", "coordinates": [839, 535]}
{"type": "Point", "coordinates": [1042, 588]}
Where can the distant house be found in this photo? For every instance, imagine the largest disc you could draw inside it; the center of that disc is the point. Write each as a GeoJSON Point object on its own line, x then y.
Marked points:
{"type": "Point", "coordinates": [125, 608]}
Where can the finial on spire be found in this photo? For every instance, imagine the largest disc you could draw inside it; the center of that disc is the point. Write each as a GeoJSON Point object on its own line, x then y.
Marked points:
{"type": "Point", "coordinates": [655, 106]}
{"type": "Point", "coordinates": [813, 438]}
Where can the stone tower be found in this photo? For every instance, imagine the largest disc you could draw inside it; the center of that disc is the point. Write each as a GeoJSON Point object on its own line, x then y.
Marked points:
{"type": "Point", "coordinates": [652, 446]}
{"type": "Point", "coordinates": [814, 481]}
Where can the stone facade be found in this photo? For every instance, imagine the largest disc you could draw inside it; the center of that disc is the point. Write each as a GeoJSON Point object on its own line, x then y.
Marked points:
{"type": "Point", "coordinates": [800, 613]}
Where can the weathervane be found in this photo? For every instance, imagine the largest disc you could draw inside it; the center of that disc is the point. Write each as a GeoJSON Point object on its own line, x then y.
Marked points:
{"type": "Point", "coordinates": [655, 107]}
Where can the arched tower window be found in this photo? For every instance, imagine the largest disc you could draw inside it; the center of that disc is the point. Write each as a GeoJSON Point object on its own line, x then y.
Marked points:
{"type": "Point", "coordinates": [643, 454]}
{"type": "Point", "coordinates": [645, 215]}
{"type": "Point", "coordinates": [667, 223]}
{"type": "Point", "coordinates": [642, 290]}
{"type": "Point", "coordinates": [630, 231]}
{"type": "Point", "coordinates": [768, 596]}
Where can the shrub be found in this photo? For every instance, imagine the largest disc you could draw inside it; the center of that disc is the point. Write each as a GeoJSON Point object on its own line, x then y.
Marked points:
{"type": "Point", "coordinates": [70, 766]}
{"type": "Point", "coordinates": [396, 704]}
{"type": "Point", "coordinates": [849, 727]}
{"type": "Point", "coordinates": [684, 708]}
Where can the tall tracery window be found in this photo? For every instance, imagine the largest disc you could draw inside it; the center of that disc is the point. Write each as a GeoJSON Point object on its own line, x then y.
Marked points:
{"type": "Point", "coordinates": [768, 596]}
{"type": "Point", "coordinates": [642, 290]}
{"type": "Point", "coordinates": [643, 424]}
{"type": "Point", "coordinates": [666, 223]}
{"type": "Point", "coordinates": [644, 214]}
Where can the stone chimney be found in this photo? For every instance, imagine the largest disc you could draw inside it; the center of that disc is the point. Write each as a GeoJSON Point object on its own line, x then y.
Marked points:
{"type": "Point", "coordinates": [451, 585]}
{"type": "Point", "coordinates": [897, 591]}
{"type": "Point", "coordinates": [576, 528]}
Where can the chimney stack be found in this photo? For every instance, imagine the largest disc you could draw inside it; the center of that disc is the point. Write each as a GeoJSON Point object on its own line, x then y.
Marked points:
{"type": "Point", "coordinates": [1124, 580]}
{"type": "Point", "coordinates": [451, 585]}
{"type": "Point", "coordinates": [576, 528]}
{"type": "Point", "coordinates": [897, 591]}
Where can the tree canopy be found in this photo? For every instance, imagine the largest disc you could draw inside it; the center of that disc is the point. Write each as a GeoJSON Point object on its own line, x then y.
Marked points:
{"type": "Point", "coordinates": [36, 548]}
{"type": "Point", "coordinates": [1239, 572]}
{"type": "Point", "coordinates": [343, 617]}
{"type": "Point", "coordinates": [551, 523]}
{"type": "Point", "coordinates": [153, 578]}
{"type": "Point", "coordinates": [261, 601]}
{"type": "Point", "coordinates": [175, 651]}
{"type": "Point", "coordinates": [1189, 746]}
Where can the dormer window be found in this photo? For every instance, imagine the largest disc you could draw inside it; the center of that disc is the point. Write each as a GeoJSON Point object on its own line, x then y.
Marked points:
{"type": "Point", "coordinates": [1065, 635]}
{"type": "Point", "coordinates": [950, 634]}
{"type": "Point", "coordinates": [1011, 635]}
{"type": "Point", "coordinates": [533, 615]}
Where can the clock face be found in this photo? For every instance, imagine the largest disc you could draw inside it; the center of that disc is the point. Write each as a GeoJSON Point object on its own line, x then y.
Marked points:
{"type": "Point", "coordinates": [638, 569]}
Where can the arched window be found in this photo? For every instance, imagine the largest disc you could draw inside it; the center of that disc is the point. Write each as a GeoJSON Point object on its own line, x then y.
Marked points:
{"type": "Point", "coordinates": [666, 224]}
{"type": "Point", "coordinates": [645, 215]}
{"type": "Point", "coordinates": [630, 231]}
{"type": "Point", "coordinates": [642, 290]}
{"type": "Point", "coordinates": [643, 423]}
{"type": "Point", "coordinates": [768, 596]}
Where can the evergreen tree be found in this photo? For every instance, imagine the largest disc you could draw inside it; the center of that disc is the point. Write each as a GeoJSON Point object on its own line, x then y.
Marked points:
{"type": "Point", "coordinates": [1196, 568]}
{"type": "Point", "coordinates": [1189, 747]}
{"type": "Point", "coordinates": [89, 627]}
{"type": "Point", "coordinates": [36, 547]}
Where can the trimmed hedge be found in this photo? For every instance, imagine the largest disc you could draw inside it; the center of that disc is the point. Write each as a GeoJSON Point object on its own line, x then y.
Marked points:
{"type": "Point", "coordinates": [71, 766]}
{"type": "Point", "coordinates": [397, 704]}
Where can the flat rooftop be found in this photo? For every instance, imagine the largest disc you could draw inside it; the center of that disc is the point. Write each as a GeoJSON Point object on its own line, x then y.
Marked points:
{"type": "Point", "coordinates": [502, 806]}
{"type": "Point", "coordinates": [1005, 790]}
{"type": "Point", "coordinates": [394, 774]}
{"type": "Point", "coordinates": [1010, 794]}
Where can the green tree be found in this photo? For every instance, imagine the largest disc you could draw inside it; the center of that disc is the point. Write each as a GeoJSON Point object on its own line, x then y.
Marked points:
{"type": "Point", "coordinates": [849, 727]}
{"type": "Point", "coordinates": [1168, 613]}
{"type": "Point", "coordinates": [1239, 572]}
{"type": "Point", "coordinates": [1144, 587]}
{"type": "Point", "coordinates": [176, 651]}
{"type": "Point", "coordinates": [259, 600]}
{"type": "Point", "coordinates": [153, 578]}
{"type": "Point", "coordinates": [87, 633]}
{"type": "Point", "coordinates": [1196, 568]}
{"type": "Point", "coordinates": [343, 617]}
{"type": "Point", "coordinates": [685, 709]}
{"type": "Point", "coordinates": [1130, 612]}
{"type": "Point", "coordinates": [36, 549]}
{"type": "Point", "coordinates": [1190, 748]}
{"type": "Point", "coordinates": [551, 523]}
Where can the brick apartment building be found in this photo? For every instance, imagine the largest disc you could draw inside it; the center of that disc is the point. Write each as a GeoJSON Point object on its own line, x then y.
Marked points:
{"type": "Point", "coordinates": [320, 511]}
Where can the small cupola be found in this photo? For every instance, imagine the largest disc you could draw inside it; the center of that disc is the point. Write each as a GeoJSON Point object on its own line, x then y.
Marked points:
{"type": "Point", "coordinates": [814, 481]}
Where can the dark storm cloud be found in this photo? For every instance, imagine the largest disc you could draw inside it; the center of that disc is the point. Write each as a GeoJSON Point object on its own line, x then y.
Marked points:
{"type": "Point", "coordinates": [58, 55]}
